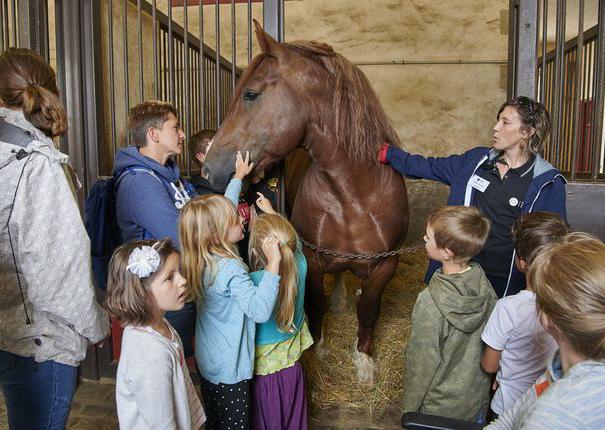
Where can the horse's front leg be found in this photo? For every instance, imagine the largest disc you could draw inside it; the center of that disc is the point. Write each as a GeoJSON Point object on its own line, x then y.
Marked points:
{"type": "Point", "coordinates": [315, 301]}
{"type": "Point", "coordinates": [368, 309]}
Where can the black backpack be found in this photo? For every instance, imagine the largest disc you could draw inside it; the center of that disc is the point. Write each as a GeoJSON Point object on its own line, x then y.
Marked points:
{"type": "Point", "coordinates": [102, 226]}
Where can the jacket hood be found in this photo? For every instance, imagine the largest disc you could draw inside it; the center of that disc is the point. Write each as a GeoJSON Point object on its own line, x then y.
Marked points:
{"type": "Point", "coordinates": [130, 157]}
{"type": "Point", "coordinates": [464, 299]}
{"type": "Point", "coordinates": [542, 168]}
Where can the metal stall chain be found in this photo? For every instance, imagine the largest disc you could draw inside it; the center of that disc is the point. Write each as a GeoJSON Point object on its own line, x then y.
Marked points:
{"type": "Point", "coordinates": [349, 256]}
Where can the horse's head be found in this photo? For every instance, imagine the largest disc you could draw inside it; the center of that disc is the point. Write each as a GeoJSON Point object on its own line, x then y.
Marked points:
{"type": "Point", "coordinates": [269, 115]}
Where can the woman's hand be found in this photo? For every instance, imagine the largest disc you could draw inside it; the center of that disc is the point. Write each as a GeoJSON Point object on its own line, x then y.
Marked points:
{"type": "Point", "coordinates": [243, 166]}
{"type": "Point", "coordinates": [272, 253]}
{"type": "Point", "coordinates": [264, 204]}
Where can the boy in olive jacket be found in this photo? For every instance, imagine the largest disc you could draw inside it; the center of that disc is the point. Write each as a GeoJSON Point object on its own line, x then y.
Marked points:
{"type": "Point", "coordinates": [443, 373]}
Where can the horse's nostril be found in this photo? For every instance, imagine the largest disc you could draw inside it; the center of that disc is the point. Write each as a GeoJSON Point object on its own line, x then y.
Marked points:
{"type": "Point", "coordinates": [205, 172]}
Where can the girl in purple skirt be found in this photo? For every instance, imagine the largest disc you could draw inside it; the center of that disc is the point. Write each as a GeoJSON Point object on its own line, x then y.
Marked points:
{"type": "Point", "coordinates": [278, 387]}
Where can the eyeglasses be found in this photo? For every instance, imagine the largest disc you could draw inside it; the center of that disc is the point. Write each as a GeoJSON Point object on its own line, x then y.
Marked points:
{"type": "Point", "coordinates": [526, 103]}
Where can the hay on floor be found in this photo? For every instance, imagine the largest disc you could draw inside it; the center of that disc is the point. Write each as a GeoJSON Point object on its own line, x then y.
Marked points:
{"type": "Point", "coordinates": [332, 380]}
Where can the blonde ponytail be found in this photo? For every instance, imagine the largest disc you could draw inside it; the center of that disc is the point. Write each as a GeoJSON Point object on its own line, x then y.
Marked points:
{"type": "Point", "coordinates": [265, 226]}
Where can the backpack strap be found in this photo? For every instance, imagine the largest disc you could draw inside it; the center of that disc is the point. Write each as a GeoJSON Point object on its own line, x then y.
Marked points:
{"type": "Point", "coordinates": [16, 135]}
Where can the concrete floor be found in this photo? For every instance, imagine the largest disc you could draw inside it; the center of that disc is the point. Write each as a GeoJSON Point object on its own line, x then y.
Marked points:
{"type": "Point", "coordinates": [94, 407]}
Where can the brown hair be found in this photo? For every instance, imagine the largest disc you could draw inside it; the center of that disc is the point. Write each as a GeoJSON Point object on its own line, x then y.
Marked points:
{"type": "Point", "coordinates": [568, 278]}
{"type": "Point", "coordinates": [203, 228]}
{"type": "Point", "coordinates": [128, 296]}
{"type": "Point", "coordinates": [265, 226]}
{"type": "Point", "coordinates": [198, 142]}
{"type": "Point", "coordinates": [534, 116]}
{"type": "Point", "coordinates": [461, 229]}
{"type": "Point", "coordinates": [28, 83]}
{"type": "Point", "coordinates": [536, 229]}
{"type": "Point", "coordinates": [146, 115]}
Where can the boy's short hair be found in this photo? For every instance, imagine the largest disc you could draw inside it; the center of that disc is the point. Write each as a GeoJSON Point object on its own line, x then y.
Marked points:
{"type": "Point", "coordinates": [533, 230]}
{"type": "Point", "coordinates": [150, 113]}
{"type": "Point", "coordinates": [128, 297]}
{"type": "Point", "coordinates": [198, 142]}
{"type": "Point", "coordinates": [461, 229]}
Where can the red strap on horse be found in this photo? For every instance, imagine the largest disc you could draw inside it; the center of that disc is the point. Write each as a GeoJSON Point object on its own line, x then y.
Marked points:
{"type": "Point", "coordinates": [382, 154]}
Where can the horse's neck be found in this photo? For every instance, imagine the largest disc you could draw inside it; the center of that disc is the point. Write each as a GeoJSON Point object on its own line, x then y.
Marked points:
{"type": "Point", "coordinates": [340, 173]}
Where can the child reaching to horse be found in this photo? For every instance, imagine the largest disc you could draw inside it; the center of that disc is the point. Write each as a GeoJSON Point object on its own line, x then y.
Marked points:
{"type": "Point", "coordinates": [153, 388]}
{"type": "Point", "coordinates": [228, 304]}
{"type": "Point", "coordinates": [278, 388]}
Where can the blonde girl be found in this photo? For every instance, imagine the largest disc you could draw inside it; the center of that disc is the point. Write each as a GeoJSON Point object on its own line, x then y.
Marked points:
{"type": "Point", "coordinates": [278, 389]}
{"type": "Point", "coordinates": [153, 387]}
{"type": "Point", "coordinates": [568, 278]}
{"type": "Point", "coordinates": [228, 305]}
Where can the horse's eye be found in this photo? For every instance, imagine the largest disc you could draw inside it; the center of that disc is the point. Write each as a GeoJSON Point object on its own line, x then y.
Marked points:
{"type": "Point", "coordinates": [250, 95]}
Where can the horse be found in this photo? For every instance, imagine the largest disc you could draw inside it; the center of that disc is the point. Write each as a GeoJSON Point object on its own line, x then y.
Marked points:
{"type": "Point", "coordinates": [305, 95]}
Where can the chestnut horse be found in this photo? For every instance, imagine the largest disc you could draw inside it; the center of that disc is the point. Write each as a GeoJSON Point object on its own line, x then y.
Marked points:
{"type": "Point", "coordinates": [305, 95]}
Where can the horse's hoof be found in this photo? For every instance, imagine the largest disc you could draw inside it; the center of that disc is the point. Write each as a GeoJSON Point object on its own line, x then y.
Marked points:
{"type": "Point", "coordinates": [364, 364]}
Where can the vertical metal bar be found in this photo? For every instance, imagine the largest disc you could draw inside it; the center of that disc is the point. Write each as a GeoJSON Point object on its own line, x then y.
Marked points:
{"type": "Point", "coordinates": [170, 56]}
{"type": "Point", "coordinates": [559, 81]}
{"type": "Point", "coordinates": [577, 125]}
{"type": "Point", "coordinates": [5, 24]}
{"type": "Point", "coordinates": [155, 49]}
{"type": "Point", "coordinates": [544, 40]}
{"type": "Point", "coordinates": [233, 46]}
{"type": "Point", "coordinates": [140, 36]}
{"type": "Point", "coordinates": [202, 72]}
{"type": "Point", "coordinates": [217, 25]}
{"type": "Point", "coordinates": [14, 20]}
{"type": "Point", "coordinates": [2, 30]}
{"type": "Point", "coordinates": [525, 79]}
{"type": "Point", "coordinates": [125, 57]}
{"type": "Point", "coordinates": [272, 18]}
{"type": "Point", "coordinates": [112, 93]}
{"type": "Point", "coordinates": [249, 31]}
{"type": "Point", "coordinates": [599, 108]}
{"type": "Point", "coordinates": [187, 89]}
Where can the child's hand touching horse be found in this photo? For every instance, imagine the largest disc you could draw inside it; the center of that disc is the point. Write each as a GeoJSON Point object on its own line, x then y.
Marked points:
{"type": "Point", "coordinates": [243, 166]}
{"type": "Point", "coordinates": [264, 204]}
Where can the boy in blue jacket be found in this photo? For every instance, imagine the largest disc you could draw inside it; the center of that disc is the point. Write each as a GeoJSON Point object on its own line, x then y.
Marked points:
{"type": "Point", "coordinates": [503, 181]}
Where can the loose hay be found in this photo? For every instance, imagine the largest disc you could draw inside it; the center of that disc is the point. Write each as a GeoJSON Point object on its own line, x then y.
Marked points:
{"type": "Point", "coordinates": [332, 381]}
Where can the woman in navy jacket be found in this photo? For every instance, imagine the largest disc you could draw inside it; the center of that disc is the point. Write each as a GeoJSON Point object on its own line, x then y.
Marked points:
{"type": "Point", "coordinates": [504, 181]}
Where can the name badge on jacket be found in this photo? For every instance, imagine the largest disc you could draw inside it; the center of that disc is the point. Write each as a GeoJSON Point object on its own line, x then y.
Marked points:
{"type": "Point", "coordinates": [478, 183]}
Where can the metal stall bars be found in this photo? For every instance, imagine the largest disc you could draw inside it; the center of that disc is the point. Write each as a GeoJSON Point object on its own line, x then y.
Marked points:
{"type": "Point", "coordinates": [568, 77]}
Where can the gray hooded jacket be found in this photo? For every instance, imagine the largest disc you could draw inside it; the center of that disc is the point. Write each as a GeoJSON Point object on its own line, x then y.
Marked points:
{"type": "Point", "coordinates": [45, 248]}
{"type": "Point", "coordinates": [443, 373]}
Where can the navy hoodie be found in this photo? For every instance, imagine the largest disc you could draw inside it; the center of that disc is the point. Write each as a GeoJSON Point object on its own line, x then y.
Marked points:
{"type": "Point", "coordinates": [149, 196]}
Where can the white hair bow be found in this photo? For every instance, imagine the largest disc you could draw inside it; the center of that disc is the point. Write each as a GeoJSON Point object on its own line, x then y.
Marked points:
{"type": "Point", "coordinates": [143, 261]}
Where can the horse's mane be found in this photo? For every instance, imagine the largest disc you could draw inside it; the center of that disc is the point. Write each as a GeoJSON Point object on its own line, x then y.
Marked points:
{"type": "Point", "coordinates": [361, 125]}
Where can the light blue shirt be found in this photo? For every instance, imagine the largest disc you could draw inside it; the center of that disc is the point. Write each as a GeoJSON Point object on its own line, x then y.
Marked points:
{"type": "Point", "coordinates": [226, 321]}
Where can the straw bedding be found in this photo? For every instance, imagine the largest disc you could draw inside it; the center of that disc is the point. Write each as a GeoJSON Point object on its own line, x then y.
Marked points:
{"type": "Point", "coordinates": [332, 381]}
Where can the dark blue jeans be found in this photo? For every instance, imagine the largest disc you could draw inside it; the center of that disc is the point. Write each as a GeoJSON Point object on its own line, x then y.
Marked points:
{"type": "Point", "coordinates": [38, 395]}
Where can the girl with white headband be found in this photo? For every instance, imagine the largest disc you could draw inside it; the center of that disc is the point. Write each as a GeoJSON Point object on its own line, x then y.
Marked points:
{"type": "Point", "coordinates": [153, 387]}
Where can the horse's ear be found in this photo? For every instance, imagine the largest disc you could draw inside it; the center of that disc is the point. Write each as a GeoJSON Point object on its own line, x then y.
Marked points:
{"type": "Point", "coordinates": [267, 44]}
